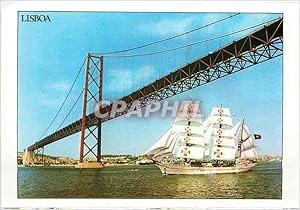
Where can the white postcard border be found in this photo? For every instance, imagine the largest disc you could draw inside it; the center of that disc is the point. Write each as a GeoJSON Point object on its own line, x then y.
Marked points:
{"type": "Point", "coordinates": [290, 190]}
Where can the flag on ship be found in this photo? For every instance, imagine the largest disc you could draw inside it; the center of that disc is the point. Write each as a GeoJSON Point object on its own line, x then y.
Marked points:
{"type": "Point", "coordinates": [257, 136]}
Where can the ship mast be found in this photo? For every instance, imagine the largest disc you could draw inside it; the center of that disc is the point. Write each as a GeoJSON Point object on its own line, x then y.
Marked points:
{"type": "Point", "coordinates": [220, 126]}
{"type": "Point", "coordinates": [241, 140]}
{"type": "Point", "coordinates": [189, 117]}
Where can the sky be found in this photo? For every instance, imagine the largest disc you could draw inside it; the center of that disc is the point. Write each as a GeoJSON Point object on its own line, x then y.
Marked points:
{"type": "Point", "coordinates": [50, 55]}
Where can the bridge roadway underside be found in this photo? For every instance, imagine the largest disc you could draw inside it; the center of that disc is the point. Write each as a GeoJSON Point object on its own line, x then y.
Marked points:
{"type": "Point", "coordinates": [257, 47]}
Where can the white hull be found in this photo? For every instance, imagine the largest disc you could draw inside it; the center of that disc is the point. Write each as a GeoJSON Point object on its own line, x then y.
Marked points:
{"type": "Point", "coordinates": [177, 169]}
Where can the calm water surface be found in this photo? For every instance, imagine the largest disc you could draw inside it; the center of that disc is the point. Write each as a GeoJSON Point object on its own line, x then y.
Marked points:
{"type": "Point", "coordinates": [264, 181]}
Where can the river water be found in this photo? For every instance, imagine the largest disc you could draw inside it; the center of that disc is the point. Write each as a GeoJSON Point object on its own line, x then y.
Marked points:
{"type": "Point", "coordinates": [264, 181]}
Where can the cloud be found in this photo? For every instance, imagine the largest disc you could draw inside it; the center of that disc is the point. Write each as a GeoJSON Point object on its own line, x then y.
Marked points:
{"type": "Point", "coordinates": [174, 26]}
{"type": "Point", "coordinates": [167, 27]}
{"type": "Point", "coordinates": [59, 86]}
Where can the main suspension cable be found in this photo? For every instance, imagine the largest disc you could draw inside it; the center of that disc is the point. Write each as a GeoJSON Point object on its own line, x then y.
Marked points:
{"type": "Point", "coordinates": [188, 45]}
{"type": "Point", "coordinates": [69, 111]}
{"type": "Point", "coordinates": [167, 39]}
{"type": "Point", "coordinates": [76, 101]}
{"type": "Point", "coordinates": [61, 106]}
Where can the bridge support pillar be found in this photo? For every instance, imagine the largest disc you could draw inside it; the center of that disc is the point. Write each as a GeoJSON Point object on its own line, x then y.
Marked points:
{"type": "Point", "coordinates": [94, 69]}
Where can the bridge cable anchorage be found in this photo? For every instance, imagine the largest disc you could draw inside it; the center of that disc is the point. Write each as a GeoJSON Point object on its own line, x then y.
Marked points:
{"type": "Point", "coordinates": [191, 44]}
{"type": "Point", "coordinates": [60, 108]}
{"type": "Point", "coordinates": [167, 39]}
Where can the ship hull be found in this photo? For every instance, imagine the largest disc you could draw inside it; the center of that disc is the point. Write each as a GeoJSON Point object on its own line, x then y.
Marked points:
{"type": "Point", "coordinates": [190, 170]}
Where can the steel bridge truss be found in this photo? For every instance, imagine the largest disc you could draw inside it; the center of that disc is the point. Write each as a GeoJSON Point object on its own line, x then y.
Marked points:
{"type": "Point", "coordinates": [255, 48]}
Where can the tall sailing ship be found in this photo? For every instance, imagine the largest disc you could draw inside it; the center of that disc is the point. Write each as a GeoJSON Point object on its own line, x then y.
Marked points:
{"type": "Point", "coordinates": [194, 146]}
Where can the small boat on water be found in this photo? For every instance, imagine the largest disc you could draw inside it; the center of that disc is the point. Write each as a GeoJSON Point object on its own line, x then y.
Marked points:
{"type": "Point", "coordinates": [194, 146]}
{"type": "Point", "coordinates": [28, 158]}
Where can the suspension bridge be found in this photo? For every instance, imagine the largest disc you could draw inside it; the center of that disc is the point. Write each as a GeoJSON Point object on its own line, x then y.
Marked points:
{"type": "Point", "coordinates": [264, 42]}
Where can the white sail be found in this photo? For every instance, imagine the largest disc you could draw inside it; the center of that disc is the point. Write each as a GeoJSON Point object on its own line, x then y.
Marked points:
{"type": "Point", "coordinates": [221, 120]}
{"type": "Point", "coordinates": [236, 128]}
{"type": "Point", "coordinates": [193, 140]}
{"type": "Point", "coordinates": [28, 157]}
{"type": "Point", "coordinates": [160, 144]}
{"type": "Point", "coordinates": [226, 142]}
{"type": "Point", "coordinates": [188, 129]}
{"type": "Point", "coordinates": [206, 123]}
{"type": "Point", "coordinates": [222, 153]}
{"type": "Point", "coordinates": [222, 141]}
{"type": "Point", "coordinates": [243, 132]}
{"type": "Point", "coordinates": [236, 132]}
{"type": "Point", "coordinates": [217, 111]}
{"type": "Point", "coordinates": [223, 132]}
{"type": "Point", "coordinates": [168, 150]}
{"type": "Point", "coordinates": [225, 121]}
{"type": "Point", "coordinates": [249, 154]}
{"type": "Point", "coordinates": [191, 152]}
{"type": "Point", "coordinates": [245, 141]}
{"type": "Point", "coordinates": [249, 141]}
{"type": "Point", "coordinates": [188, 112]}
{"type": "Point", "coordinates": [209, 132]}
{"type": "Point", "coordinates": [166, 144]}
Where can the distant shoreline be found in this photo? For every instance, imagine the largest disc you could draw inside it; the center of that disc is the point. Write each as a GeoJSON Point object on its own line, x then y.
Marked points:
{"type": "Point", "coordinates": [106, 165]}
{"type": "Point", "coordinates": [72, 165]}
{"type": "Point", "coordinates": [107, 160]}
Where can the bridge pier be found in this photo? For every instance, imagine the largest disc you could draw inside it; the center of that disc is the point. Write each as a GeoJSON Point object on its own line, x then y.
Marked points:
{"type": "Point", "coordinates": [89, 165]}
{"type": "Point", "coordinates": [90, 79]}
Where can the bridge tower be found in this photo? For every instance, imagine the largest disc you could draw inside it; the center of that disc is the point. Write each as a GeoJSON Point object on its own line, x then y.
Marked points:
{"type": "Point", "coordinates": [93, 82]}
